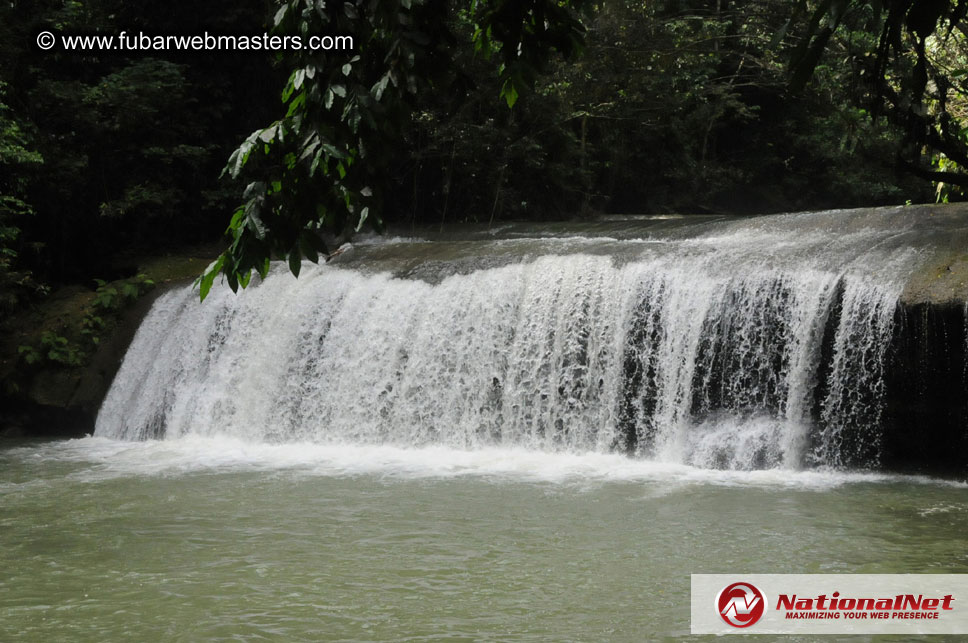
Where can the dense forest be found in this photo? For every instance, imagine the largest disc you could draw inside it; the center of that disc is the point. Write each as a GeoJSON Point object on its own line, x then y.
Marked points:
{"type": "Point", "coordinates": [446, 112]}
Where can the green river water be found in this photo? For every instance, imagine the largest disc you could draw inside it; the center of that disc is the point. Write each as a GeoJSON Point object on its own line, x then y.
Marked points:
{"type": "Point", "coordinates": [422, 441]}
{"type": "Point", "coordinates": [216, 539]}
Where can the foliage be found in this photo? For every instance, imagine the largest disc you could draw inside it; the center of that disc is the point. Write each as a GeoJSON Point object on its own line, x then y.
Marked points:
{"type": "Point", "coordinates": [17, 162]}
{"type": "Point", "coordinates": [133, 141]}
{"type": "Point", "coordinates": [110, 300]}
{"type": "Point", "coordinates": [615, 106]}
{"type": "Point", "coordinates": [104, 155]}
{"type": "Point", "coordinates": [671, 107]}
{"type": "Point", "coordinates": [72, 345]}
{"type": "Point", "coordinates": [910, 69]}
{"type": "Point", "coordinates": [318, 169]}
{"type": "Point", "coordinates": [54, 349]}
{"type": "Point", "coordinates": [675, 105]}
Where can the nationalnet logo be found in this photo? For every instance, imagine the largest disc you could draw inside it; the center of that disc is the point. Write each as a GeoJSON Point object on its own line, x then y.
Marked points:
{"type": "Point", "coordinates": [740, 604]}
{"type": "Point", "coordinates": [830, 604]}
{"type": "Point", "coordinates": [899, 606]}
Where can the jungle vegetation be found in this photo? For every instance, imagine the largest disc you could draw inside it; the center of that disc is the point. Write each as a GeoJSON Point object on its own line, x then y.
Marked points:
{"type": "Point", "coordinates": [450, 111]}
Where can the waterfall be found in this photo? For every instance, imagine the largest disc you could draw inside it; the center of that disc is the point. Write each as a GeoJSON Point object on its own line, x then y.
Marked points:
{"type": "Point", "coordinates": [740, 345]}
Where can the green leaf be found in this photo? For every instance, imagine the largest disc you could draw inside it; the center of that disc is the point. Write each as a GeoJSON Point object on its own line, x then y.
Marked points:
{"type": "Point", "coordinates": [364, 213]}
{"type": "Point", "coordinates": [287, 91]}
{"type": "Point", "coordinates": [205, 282]}
{"type": "Point", "coordinates": [239, 158]}
{"type": "Point", "coordinates": [311, 145]}
{"type": "Point", "coordinates": [233, 280]}
{"type": "Point", "coordinates": [306, 247]}
{"type": "Point", "coordinates": [295, 262]}
{"type": "Point", "coordinates": [509, 93]}
{"type": "Point", "coordinates": [335, 152]}
{"type": "Point", "coordinates": [280, 15]}
{"type": "Point", "coordinates": [253, 220]}
{"type": "Point", "coordinates": [253, 190]}
{"type": "Point", "coordinates": [315, 164]}
{"type": "Point", "coordinates": [237, 219]}
{"type": "Point", "coordinates": [380, 86]}
{"type": "Point", "coordinates": [268, 134]}
{"type": "Point", "coordinates": [297, 103]}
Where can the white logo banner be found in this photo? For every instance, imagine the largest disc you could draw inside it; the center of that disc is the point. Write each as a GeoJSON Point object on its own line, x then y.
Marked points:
{"type": "Point", "coordinates": [829, 604]}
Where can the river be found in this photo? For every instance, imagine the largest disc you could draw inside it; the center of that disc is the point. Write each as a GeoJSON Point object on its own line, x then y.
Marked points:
{"type": "Point", "coordinates": [216, 538]}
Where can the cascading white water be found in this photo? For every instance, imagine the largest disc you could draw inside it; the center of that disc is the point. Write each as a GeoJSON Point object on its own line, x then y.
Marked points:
{"type": "Point", "coordinates": [742, 345]}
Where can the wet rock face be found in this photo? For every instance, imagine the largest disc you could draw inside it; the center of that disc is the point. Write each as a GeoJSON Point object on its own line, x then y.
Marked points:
{"type": "Point", "coordinates": [31, 420]}
{"type": "Point", "coordinates": [926, 401]}
{"type": "Point", "coordinates": [64, 402]}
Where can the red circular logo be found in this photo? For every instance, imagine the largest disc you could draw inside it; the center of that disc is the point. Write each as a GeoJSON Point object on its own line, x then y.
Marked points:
{"type": "Point", "coordinates": [740, 604]}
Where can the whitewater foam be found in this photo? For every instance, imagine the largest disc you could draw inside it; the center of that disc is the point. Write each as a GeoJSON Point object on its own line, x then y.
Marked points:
{"type": "Point", "coordinates": [99, 459]}
{"type": "Point", "coordinates": [743, 347]}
